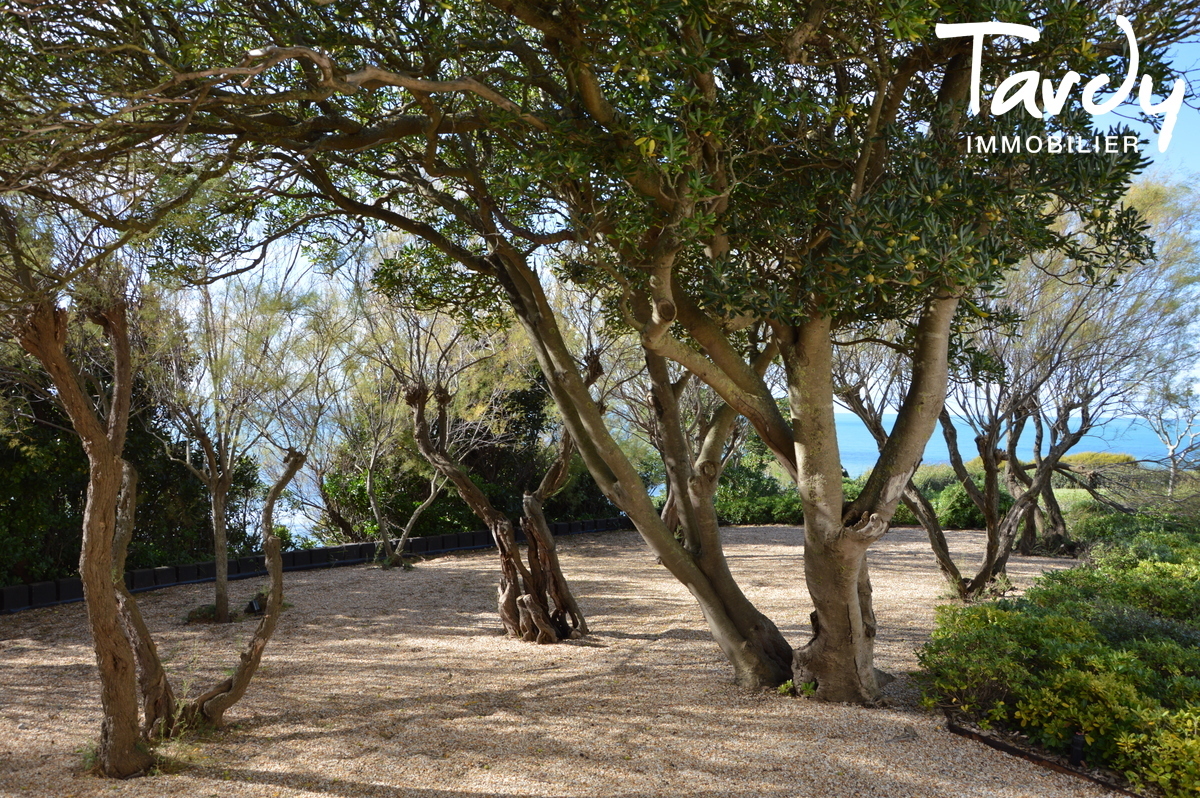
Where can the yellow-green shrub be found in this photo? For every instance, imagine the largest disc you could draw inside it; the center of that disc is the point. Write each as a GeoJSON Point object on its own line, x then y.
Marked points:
{"type": "Point", "coordinates": [1110, 649]}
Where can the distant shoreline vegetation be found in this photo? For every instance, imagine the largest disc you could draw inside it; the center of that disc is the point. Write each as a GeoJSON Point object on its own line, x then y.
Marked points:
{"type": "Point", "coordinates": [1123, 434]}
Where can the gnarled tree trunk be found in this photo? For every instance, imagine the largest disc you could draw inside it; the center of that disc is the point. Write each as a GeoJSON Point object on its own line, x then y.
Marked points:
{"type": "Point", "coordinates": [759, 654]}
{"type": "Point", "coordinates": [522, 596]}
{"type": "Point", "coordinates": [126, 656]}
{"type": "Point", "coordinates": [158, 700]}
{"type": "Point", "coordinates": [544, 567]}
{"type": "Point", "coordinates": [210, 706]}
{"type": "Point", "coordinates": [839, 659]}
{"type": "Point", "coordinates": [43, 333]}
{"type": "Point", "coordinates": [913, 499]}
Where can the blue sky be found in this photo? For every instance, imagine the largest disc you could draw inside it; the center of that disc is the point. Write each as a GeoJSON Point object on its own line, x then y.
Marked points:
{"type": "Point", "coordinates": [1183, 154]}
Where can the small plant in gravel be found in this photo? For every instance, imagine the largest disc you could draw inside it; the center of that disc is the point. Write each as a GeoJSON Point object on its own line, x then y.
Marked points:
{"type": "Point", "coordinates": [205, 613]}
{"type": "Point", "coordinates": [264, 591]}
{"type": "Point", "coordinates": [790, 688]}
{"type": "Point", "coordinates": [88, 756]}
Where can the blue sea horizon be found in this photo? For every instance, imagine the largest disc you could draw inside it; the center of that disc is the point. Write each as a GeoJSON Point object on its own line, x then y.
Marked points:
{"type": "Point", "coordinates": [1125, 435]}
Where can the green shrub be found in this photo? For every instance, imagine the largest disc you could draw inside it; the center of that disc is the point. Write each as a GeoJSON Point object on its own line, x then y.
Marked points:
{"type": "Point", "coordinates": [956, 510]}
{"type": "Point", "coordinates": [851, 488]}
{"type": "Point", "coordinates": [1167, 756]}
{"type": "Point", "coordinates": [1068, 498]}
{"type": "Point", "coordinates": [788, 509]}
{"type": "Point", "coordinates": [981, 658]}
{"type": "Point", "coordinates": [1090, 521]}
{"type": "Point", "coordinates": [1099, 702]}
{"type": "Point", "coordinates": [1097, 459]}
{"type": "Point", "coordinates": [746, 510]}
{"type": "Point", "coordinates": [933, 479]}
{"type": "Point", "coordinates": [904, 517]}
{"type": "Point", "coordinates": [1018, 666]}
{"type": "Point", "coordinates": [742, 480]}
{"type": "Point", "coordinates": [1121, 624]}
{"type": "Point", "coordinates": [781, 508]}
{"type": "Point", "coordinates": [1165, 589]}
{"type": "Point", "coordinates": [1110, 649]}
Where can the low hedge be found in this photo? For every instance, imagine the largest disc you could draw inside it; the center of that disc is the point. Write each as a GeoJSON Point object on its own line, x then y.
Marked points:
{"type": "Point", "coordinates": [785, 507]}
{"type": "Point", "coordinates": [781, 508]}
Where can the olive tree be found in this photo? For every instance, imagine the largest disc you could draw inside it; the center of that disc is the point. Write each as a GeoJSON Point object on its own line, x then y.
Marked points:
{"type": "Point", "coordinates": [1171, 408]}
{"type": "Point", "coordinates": [438, 364]}
{"type": "Point", "coordinates": [1066, 350]}
{"type": "Point", "coordinates": [73, 250]}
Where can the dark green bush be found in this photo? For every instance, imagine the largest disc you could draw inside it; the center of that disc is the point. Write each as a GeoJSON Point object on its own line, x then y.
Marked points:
{"type": "Point", "coordinates": [788, 509]}
{"type": "Point", "coordinates": [1019, 666]}
{"type": "Point", "coordinates": [780, 508]}
{"type": "Point", "coordinates": [1121, 624]}
{"type": "Point", "coordinates": [769, 503]}
{"type": "Point", "coordinates": [981, 658]}
{"type": "Point", "coordinates": [956, 510]}
{"type": "Point", "coordinates": [1091, 521]}
{"type": "Point", "coordinates": [747, 510]}
{"type": "Point", "coordinates": [1167, 590]}
{"type": "Point", "coordinates": [904, 517]}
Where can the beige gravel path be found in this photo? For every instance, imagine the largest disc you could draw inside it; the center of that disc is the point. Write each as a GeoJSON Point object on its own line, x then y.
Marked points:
{"type": "Point", "coordinates": [399, 684]}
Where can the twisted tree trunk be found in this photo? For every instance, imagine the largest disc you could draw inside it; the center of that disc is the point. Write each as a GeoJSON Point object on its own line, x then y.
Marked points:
{"type": "Point", "coordinates": [43, 334]}
{"type": "Point", "coordinates": [522, 600]}
{"type": "Point", "coordinates": [210, 706]}
{"type": "Point", "coordinates": [158, 700]}
{"type": "Point", "coordinates": [126, 656]}
{"type": "Point", "coordinates": [544, 567]}
{"type": "Point", "coordinates": [760, 656]}
{"type": "Point", "coordinates": [839, 659]}
{"type": "Point", "coordinates": [913, 499]}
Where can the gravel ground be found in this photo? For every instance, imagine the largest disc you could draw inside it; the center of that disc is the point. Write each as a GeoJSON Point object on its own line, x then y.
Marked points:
{"type": "Point", "coordinates": [384, 683]}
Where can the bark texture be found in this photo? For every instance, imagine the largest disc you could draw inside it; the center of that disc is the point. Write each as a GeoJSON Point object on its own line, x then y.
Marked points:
{"type": "Point", "coordinates": [158, 699]}
{"type": "Point", "coordinates": [838, 661]}
{"type": "Point", "coordinates": [127, 659]}
{"type": "Point", "coordinates": [218, 491]}
{"type": "Point", "coordinates": [544, 567]}
{"type": "Point", "coordinates": [42, 333]}
{"type": "Point", "coordinates": [210, 706]}
{"type": "Point", "coordinates": [913, 499]}
{"type": "Point", "coordinates": [525, 593]}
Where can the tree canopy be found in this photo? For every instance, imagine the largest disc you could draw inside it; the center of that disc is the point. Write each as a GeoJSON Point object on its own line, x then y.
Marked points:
{"type": "Point", "coordinates": [740, 182]}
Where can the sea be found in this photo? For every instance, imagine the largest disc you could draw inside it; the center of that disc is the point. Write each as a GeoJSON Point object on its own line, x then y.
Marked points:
{"type": "Point", "coordinates": [1124, 435]}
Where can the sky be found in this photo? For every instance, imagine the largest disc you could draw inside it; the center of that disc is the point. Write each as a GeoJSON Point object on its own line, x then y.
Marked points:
{"type": "Point", "coordinates": [1183, 154]}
